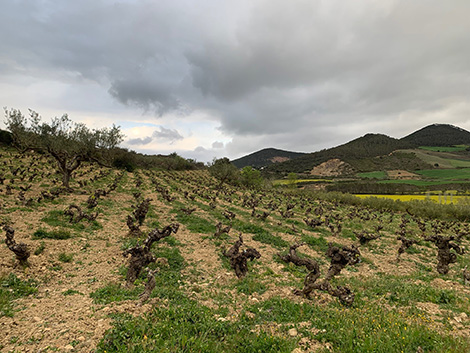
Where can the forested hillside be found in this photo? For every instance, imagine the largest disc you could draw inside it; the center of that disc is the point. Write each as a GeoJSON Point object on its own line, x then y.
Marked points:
{"type": "Point", "coordinates": [368, 146]}
{"type": "Point", "coordinates": [265, 157]}
{"type": "Point", "coordinates": [438, 135]}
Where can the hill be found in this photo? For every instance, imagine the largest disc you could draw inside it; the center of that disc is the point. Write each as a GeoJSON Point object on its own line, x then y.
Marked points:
{"type": "Point", "coordinates": [353, 152]}
{"type": "Point", "coordinates": [266, 157]}
{"type": "Point", "coordinates": [374, 151]}
{"type": "Point", "coordinates": [438, 135]}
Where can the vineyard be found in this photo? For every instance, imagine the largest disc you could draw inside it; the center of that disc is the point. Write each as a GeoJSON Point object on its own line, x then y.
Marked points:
{"type": "Point", "coordinates": [162, 261]}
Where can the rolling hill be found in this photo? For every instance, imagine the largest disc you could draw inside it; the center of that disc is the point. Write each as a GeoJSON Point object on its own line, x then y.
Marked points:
{"type": "Point", "coordinates": [367, 153]}
{"type": "Point", "coordinates": [439, 135]}
{"type": "Point", "coordinates": [266, 157]}
{"type": "Point", "coordinates": [353, 152]}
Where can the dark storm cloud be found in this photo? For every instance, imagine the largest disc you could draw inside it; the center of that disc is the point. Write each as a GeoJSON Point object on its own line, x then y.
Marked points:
{"type": "Point", "coordinates": [310, 65]}
{"type": "Point", "coordinates": [148, 95]}
{"type": "Point", "coordinates": [297, 75]}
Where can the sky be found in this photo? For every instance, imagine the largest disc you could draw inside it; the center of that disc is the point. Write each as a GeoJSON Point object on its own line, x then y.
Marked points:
{"type": "Point", "coordinates": [210, 79]}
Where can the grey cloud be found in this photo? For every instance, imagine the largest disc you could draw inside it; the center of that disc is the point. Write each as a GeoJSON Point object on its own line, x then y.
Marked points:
{"type": "Point", "coordinates": [297, 76]}
{"type": "Point", "coordinates": [139, 141]}
{"type": "Point", "coordinates": [306, 66]}
{"type": "Point", "coordinates": [164, 134]}
{"type": "Point", "coordinates": [217, 144]}
{"type": "Point", "coordinates": [148, 95]}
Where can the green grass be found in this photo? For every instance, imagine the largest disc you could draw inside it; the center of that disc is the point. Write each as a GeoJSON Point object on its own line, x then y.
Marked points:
{"type": "Point", "coordinates": [260, 234]}
{"type": "Point", "coordinates": [445, 148]}
{"type": "Point", "coordinates": [459, 163]}
{"type": "Point", "coordinates": [64, 257]}
{"type": "Point", "coordinates": [366, 328]}
{"type": "Point", "coordinates": [40, 249]}
{"type": "Point", "coordinates": [398, 290]}
{"type": "Point", "coordinates": [167, 280]}
{"type": "Point", "coordinates": [71, 292]}
{"type": "Point", "coordinates": [194, 223]}
{"type": "Point", "coordinates": [250, 284]}
{"type": "Point", "coordinates": [433, 158]}
{"type": "Point", "coordinates": [446, 174]}
{"type": "Point", "coordinates": [436, 177]}
{"type": "Point", "coordinates": [318, 243]}
{"type": "Point", "coordinates": [56, 218]}
{"type": "Point", "coordinates": [53, 234]}
{"type": "Point", "coordinates": [115, 292]}
{"type": "Point", "coordinates": [11, 288]}
{"type": "Point", "coordinates": [188, 326]}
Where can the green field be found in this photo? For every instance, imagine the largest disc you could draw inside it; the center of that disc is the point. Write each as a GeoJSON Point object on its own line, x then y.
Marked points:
{"type": "Point", "coordinates": [445, 149]}
{"type": "Point", "coordinates": [446, 174]}
{"type": "Point", "coordinates": [441, 159]}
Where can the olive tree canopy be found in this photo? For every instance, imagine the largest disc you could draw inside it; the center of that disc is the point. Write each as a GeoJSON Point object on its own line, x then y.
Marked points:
{"type": "Point", "coordinates": [224, 171]}
{"type": "Point", "coordinates": [69, 143]}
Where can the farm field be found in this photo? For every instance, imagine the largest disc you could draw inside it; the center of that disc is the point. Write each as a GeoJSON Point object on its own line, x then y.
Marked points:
{"type": "Point", "coordinates": [446, 174]}
{"type": "Point", "coordinates": [441, 199]}
{"type": "Point", "coordinates": [442, 159]}
{"type": "Point", "coordinates": [445, 148]}
{"type": "Point", "coordinates": [451, 173]}
{"type": "Point", "coordinates": [362, 293]}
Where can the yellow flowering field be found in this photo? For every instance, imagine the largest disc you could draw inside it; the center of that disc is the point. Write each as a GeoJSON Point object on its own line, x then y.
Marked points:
{"type": "Point", "coordinates": [442, 199]}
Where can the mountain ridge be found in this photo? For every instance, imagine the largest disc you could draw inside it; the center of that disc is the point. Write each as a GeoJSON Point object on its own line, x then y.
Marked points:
{"type": "Point", "coordinates": [369, 146]}
{"type": "Point", "coordinates": [265, 157]}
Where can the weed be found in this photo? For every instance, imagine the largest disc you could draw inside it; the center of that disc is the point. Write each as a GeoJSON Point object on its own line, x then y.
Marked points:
{"type": "Point", "coordinates": [71, 292]}
{"type": "Point", "coordinates": [114, 292]}
{"type": "Point", "coordinates": [64, 257]}
{"type": "Point", "coordinates": [55, 267]}
{"type": "Point", "coordinates": [250, 284]}
{"type": "Point", "coordinates": [187, 326]}
{"type": "Point", "coordinates": [11, 288]}
{"type": "Point", "coordinates": [196, 224]}
{"type": "Point", "coordinates": [56, 218]}
{"type": "Point", "coordinates": [53, 234]}
{"type": "Point", "coordinates": [39, 250]}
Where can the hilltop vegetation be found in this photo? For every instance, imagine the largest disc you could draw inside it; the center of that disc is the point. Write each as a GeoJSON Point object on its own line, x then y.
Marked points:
{"type": "Point", "coordinates": [265, 157]}
{"type": "Point", "coordinates": [375, 152]}
{"type": "Point", "coordinates": [360, 153]}
{"type": "Point", "coordinates": [438, 135]}
{"type": "Point", "coordinates": [76, 295]}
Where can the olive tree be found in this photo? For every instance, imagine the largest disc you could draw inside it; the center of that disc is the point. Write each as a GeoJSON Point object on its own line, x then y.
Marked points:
{"type": "Point", "coordinates": [251, 178]}
{"type": "Point", "coordinates": [224, 171]}
{"type": "Point", "coordinates": [69, 143]}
